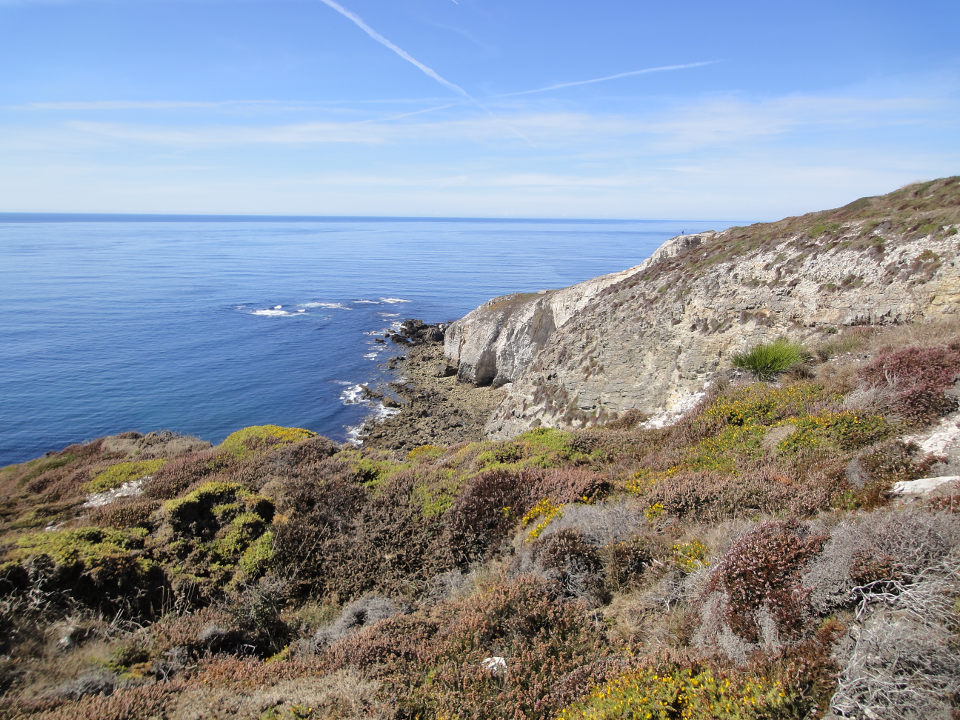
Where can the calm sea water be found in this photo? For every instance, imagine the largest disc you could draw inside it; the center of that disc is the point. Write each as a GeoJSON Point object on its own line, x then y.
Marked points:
{"type": "Point", "coordinates": [205, 326]}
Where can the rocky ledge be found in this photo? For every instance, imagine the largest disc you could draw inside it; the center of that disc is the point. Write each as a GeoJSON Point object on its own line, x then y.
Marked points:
{"type": "Point", "coordinates": [433, 408]}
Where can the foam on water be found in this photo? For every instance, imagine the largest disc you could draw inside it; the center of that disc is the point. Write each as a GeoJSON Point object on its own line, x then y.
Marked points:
{"type": "Point", "coordinates": [394, 301]}
{"type": "Point", "coordinates": [272, 313]}
{"type": "Point", "coordinates": [327, 305]}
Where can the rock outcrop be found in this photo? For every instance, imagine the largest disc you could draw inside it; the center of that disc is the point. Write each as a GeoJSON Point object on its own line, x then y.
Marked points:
{"type": "Point", "coordinates": [493, 344]}
{"type": "Point", "coordinates": [650, 337]}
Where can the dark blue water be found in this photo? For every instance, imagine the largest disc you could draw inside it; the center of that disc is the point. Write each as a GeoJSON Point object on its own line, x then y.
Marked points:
{"type": "Point", "coordinates": [205, 326]}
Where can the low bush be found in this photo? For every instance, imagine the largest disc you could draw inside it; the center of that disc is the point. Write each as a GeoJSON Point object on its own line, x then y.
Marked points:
{"type": "Point", "coordinates": [918, 377]}
{"type": "Point", "coordinates": [768, 360]}
{"type": "Point", "coordinates": [248, 441]}
{"type": "Point", "coordinates": [667, 692]}
{"type": "Point", "coordinates": [108, 570]}
{"type": "Point", "coordinates": [118, 474]}
{"type": "Point", "coordinates": [761, 571]}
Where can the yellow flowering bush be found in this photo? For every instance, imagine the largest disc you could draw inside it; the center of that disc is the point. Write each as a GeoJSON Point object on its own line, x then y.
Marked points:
{"type": "Point", "coordinates": [545, 509]}
{"type": "Point", "coordinates": [679, 693]}
{"type": "Point", "coordinates": [690, 556]}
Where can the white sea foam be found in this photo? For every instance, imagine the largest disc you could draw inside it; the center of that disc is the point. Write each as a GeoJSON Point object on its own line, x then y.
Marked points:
{"type": "Point", "coordinates": [352, 395]}
{"type": "Point", "coordinates": [301, 310]}
{"type": "Point", "coordinates": [366, 302]}
{"type": "Point", "coordinates": [331, 306]}
{"type": "Point", "coordinates": [272, 313]}
{"type": "Point", "coordinates": [370, 356]}
{"type": "Point", "coordinates": [389, 314]}
{"type": "Point", "coordinates": [394, 301]}
{"type": "Point", "coordinates": [278, 307]}
{"type": "Point", "coordinates": [383, 412]}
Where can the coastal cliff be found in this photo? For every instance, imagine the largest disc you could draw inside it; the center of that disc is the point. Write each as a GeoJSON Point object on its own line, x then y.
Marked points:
{"type": "Point", "coordinates": [651, 338]}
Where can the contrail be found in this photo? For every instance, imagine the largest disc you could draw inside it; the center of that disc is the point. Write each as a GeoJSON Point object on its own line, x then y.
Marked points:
{"type": "Point", "coordinates": [610, 77]}
{"type": "Point", "coordinates": [383, 41]}
{"type": "Point", "coordinates": [406, 56]}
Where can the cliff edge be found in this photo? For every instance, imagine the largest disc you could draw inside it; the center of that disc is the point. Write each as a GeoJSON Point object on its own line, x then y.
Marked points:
{"type": "Point", "coordinates": [650, 338]}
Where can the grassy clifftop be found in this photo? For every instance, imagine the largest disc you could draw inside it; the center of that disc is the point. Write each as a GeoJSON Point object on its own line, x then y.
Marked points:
{"type": "Point", "coordinates": [745, 562]}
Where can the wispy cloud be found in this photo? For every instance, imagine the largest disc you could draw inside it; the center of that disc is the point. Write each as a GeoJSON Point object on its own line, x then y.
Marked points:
{"type": "Point", "coordinates": [399, 51]}
{"type": "Point", "coordinates": [645, 71]}
{"type": "Point", "coordinates": [406, 56]}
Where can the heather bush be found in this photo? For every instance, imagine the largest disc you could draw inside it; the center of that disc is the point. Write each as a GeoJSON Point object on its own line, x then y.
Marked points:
{"type": "Point", "coordinates": [124, 513]}
{"type": "Point", "coordinates": [918, 378]}
{"type": "Point", "coordinates": [491, 503]}
{"type": "Point", "coordinates": [761, 571]}
{"type": "Point", "coordinates": [542, 640]}
{"type": "Point", "coordinates": [181, 473]}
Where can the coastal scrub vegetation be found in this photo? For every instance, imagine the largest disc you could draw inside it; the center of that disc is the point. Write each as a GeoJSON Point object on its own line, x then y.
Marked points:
{"type": "Point", "coordinates": [748, 561]}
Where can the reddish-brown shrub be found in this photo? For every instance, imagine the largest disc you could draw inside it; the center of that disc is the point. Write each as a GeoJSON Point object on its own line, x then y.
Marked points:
{"type": "Point", "coordinates": [762, 570]}
{"type": "Point", "coordinates": [124, 513]}
{"type": "Point", "coordinates": [178, 475]}
{"type": "Point", "coordinates": [431, 661]}
{"type": "Point", "coordinates": [918, 377]}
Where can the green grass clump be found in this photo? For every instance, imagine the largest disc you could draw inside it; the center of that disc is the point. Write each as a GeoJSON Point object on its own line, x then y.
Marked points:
{"type": "Point", "coordinates": [117, 475]}
{"type": "Point", "coordinates": [768, 360]}
{"type": "Point", "coordinates": [246, 442]}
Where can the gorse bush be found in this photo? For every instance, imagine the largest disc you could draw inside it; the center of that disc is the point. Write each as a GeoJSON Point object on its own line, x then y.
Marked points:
{"type": "Point", "coordinates": [768, 360]}
{"type": "Point", "coordinates": [246, 442]}
{"type": "Point", "coordinates": [118, 474]}
{"type": "Point", "coordinates": [677, 693]}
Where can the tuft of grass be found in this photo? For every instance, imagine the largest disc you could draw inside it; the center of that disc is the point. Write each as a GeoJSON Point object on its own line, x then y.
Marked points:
{"type": "Point", "coordinates": [117, 475]}
{"type": "Point", "coordinates": [768, 360]}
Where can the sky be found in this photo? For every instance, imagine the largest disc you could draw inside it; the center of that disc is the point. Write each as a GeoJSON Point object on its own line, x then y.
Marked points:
{"type": "Point", "coordinates": [473, 108]}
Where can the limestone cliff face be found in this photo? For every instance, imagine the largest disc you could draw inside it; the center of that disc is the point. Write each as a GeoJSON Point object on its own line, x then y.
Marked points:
{"type": "Point", "coordinates": [649, 337]}
{"type": "Point", "coordinates": [493, 344]}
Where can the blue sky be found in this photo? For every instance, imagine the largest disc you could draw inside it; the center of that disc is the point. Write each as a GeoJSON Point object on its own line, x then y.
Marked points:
{"type": "Point", "coordinates": [291, 107]}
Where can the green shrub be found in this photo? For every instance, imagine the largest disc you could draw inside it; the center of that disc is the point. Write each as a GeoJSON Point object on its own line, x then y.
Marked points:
{"type": "Point", "coordinates": [105, 569]}
{"type": "Point", "coordinates": [117, 475]}
{"type": "Point", "coordinates": [226, 511]}
{"type": "Point", "coordinates": [768, 360]}
{"type": "Point", "coordinates": [248, 441]}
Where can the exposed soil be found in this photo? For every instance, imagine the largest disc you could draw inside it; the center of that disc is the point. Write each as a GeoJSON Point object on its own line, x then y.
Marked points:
{"type": "Point", "coordinates": [435, 409]}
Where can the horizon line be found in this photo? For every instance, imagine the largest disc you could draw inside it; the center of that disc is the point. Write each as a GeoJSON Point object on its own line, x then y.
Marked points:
{"type": "Point", "coordinates": [224, 217]}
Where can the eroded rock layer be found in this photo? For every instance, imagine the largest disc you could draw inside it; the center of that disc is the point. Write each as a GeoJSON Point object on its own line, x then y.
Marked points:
{"type": "Point", "coordinates": [651, 336]}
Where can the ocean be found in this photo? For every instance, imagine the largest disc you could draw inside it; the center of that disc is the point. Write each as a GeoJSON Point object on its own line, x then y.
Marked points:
{"type": "Point", "coordinates": [205, 325]}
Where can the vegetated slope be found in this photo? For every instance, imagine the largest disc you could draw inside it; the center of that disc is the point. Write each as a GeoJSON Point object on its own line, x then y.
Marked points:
{"type": "Point", "coordinates": [746, 562]}
{"type": "Point", "coordinates": [656, 335]}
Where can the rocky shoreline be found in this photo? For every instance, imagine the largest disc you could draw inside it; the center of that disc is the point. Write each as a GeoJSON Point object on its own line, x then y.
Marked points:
{"type": "Point", "coordinates": [434, 408]}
